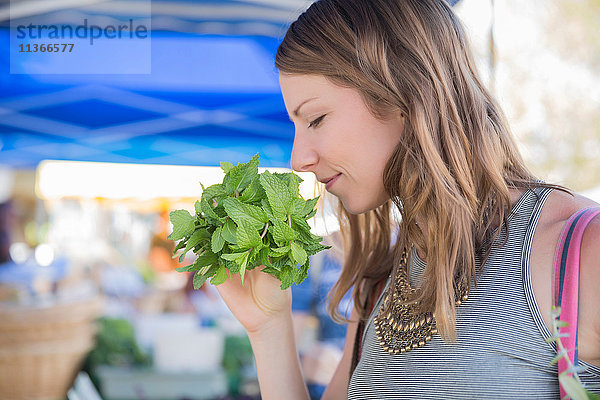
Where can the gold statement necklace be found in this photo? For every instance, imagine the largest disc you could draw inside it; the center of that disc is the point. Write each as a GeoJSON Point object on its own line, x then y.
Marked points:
{"type": "Point", "coordinates": [404, 327]}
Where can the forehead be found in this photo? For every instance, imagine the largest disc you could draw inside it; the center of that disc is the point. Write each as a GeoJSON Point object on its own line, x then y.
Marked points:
{"type": "Point", "coordinates": [297, 88]}
{"type": "Point", "coordinates": [315, 81]}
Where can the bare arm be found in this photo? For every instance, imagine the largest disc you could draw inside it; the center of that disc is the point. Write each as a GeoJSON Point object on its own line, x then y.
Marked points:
{"type": "Point", "coordinates": [266, 312]}
{"type": "Point", "coordinates": [589, 295]}
{"type": "Point", "coordinates": [277, 362]}
{"type": "Point", "coordinates": [338, 387]}
{"type": "Point", "coordinates": [278, 366]}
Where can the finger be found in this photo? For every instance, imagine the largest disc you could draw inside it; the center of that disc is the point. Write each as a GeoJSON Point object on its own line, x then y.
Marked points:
{"type": "Point", "coordinates": [232, 284]}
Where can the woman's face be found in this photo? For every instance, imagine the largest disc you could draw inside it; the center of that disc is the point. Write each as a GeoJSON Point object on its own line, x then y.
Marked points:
{"type": "Point", "coordinates": [339, 140]}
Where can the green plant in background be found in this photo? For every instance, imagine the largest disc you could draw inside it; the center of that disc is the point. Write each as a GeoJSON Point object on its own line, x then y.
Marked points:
{"type": "Point", "coordinates": [116, 345]}
{"type": "Point", "coordinates": [236, 357]}
{"type": "Point", "coordinates": [249, 219]}
{"type": "Point", "coordinates": [571, 384]}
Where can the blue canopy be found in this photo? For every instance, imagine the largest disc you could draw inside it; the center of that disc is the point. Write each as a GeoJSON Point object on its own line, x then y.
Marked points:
{"type": "Point", "coordinates": [209, 97]}
{"type": "Point", "coordinates": [212, 94]}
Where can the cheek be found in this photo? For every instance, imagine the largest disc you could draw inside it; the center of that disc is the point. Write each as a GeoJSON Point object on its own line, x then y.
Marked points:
{"type": "Point", "coordinates": [366, 192]}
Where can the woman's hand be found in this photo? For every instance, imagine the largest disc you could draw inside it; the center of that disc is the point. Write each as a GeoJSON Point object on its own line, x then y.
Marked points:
{"type": "Point", "coordinates": [265, 311]}
{"type": "Point", "coordinates": [259, 303]}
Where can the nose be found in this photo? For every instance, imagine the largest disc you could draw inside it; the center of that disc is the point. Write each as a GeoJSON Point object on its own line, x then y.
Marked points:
{"type": "Point", "coordinates": [304, 155]}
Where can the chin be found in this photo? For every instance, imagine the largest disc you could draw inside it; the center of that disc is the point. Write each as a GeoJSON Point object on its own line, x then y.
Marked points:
{"type": "Point", "coordinates": [356, 208]}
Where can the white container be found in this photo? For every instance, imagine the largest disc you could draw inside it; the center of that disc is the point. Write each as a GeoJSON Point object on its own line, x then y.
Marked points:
{"type": "Point", "coordinates": [194, 351]}
{"type": "Point", "coordinates": [125, 383]}
{"type": "Point", "coordinates": [148, 327]}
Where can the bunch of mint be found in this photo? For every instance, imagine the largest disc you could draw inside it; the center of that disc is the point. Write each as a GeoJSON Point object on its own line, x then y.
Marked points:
{"type": "Point", "coordinates": [249, 220]}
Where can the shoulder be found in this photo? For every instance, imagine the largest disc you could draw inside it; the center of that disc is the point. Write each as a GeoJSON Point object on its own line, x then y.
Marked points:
{"type": "Point", "coordinates": [558, 209]}
{"type": "Point", "coordinates": [560, 205]}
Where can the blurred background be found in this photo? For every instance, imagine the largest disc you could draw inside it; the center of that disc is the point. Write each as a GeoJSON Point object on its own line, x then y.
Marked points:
{"type": "Point", "coordinates": [96, 148]}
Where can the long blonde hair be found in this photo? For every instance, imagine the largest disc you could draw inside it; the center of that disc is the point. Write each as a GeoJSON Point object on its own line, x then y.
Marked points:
{"type": "Point", "coordinates": [456, 159]}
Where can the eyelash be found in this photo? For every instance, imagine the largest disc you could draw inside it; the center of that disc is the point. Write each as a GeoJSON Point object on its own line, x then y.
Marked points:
{"type": "Point", "coordinates": [315, 123]}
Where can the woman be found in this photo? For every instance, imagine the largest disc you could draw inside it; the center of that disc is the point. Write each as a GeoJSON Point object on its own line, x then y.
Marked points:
{"type": "Point", "coordinates": [390, 114]}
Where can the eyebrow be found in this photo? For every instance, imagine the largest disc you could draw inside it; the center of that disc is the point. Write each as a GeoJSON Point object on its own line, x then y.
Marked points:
{"type": "Point", "coordinates": [297, 110]}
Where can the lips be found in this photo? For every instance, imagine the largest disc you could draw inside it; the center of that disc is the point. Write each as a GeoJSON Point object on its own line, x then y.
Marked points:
{"type": "Point", "coordinates": [330, 181]}
{"type": "Point", "coordinates": [327, 179]}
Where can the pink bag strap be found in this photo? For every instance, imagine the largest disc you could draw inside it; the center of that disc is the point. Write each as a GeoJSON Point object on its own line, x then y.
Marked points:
{"type": "Point", "coordinates": [566, 281]}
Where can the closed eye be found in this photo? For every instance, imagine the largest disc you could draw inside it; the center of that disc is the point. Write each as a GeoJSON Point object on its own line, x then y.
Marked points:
{"type": "Point", "coordinates": [316, 122]}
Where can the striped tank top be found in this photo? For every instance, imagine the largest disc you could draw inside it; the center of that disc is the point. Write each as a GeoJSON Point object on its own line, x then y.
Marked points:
{"type": "Point", "coordinates": [500, 351]}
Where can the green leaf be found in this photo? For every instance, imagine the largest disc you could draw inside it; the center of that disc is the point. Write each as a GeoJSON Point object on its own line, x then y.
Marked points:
{"type": "Point", "coordinates": [199, 280]}
{"type": "Point", "coordinates": [226, 166]}
{"type": "Point", "coordinates": [254, 192]}
{"type": "Point", "coordinates": [555, 312]}
{"type": "Point", "coordinates": [183, 224]}
{"type": "Point", "coordinates": [309, 207]}
{"type": "Point", "coordinates": [272, 271]}
{"type": "Point", "coordinates": [208, 210]}
{"type": "Point", "coordinates": [240, 176]}
{"type": "Point", "coordinates": [220, 277]}
{"type": "Point", "coordinates": [232, 267]}
{"type": "Point", "coordinates": [187, 268]}
{"type": "Point", "coordinates": [247, 236]}
{"type": "Point", "coordinates": [229, 231]}
{"type": "Point", "coordinates": [298, 253]}
{"type": "Point", "coordinates": [195, 239]}
{"type": "Point", "coordinates": [557, 357]}
{"type": "Point", "coordinates": [292, 180]}
{"type": "Point", "coordinates": [220, 211]}
{"type": "Point", "coordinates": [294, 184]}
{"type": "Point", "coordinates": [257, 214]}
{"type": "Point", "coordinates": [235, 257]}
{"type": "Point", "coordinates": [301, 226]}
{"type": "Point", "coordinates": [278, 194]}
{"type": "Point", "coordinates": [264, 203]}
{"type": "Point", "coordinates": [200, 222]}
{"type": "Point", "coordinates": [180, 245]}
{"type": "Point", "coordinates": [314, 248]}
{"type": "Point", "coordinates": [561, 323]}
{"type": "Point", "coordinates": [297, 208]}
{"type": "Point", "coordinates": [264, 256]}
{"type": "Point", "coordinates": [572, 387]}
{"type": "Point", "coordinates": [243, 267]}
{"type": "Point", "coordinates": [302, 273]}
{"type": "Point", "coordinates": [205, 259]}
{"type": "Point", "coordinates": [282, 233]}
{"type": "Point", "coordinates": [279, 264]}
{"type": "Point", "coordinates": [254, 254]}
{"type": "Point", "coordinates": [217, 190]}
{"type": "Point", "coordinates": [240, 259]}
{"type": "Point", "coordinates": [286, 276]}
{"type": "Point", "coordinates": [217, 240]}
{"type": "Point", "coordinates": [280, 251]}
{"type": "Point", "coordinates": [238, 211]}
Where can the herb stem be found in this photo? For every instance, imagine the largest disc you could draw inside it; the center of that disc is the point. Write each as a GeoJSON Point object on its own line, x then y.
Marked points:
{"type": "Point", "coordinates": [265, 230]}
{"type": "Point", "coordinates": [561, 348]}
